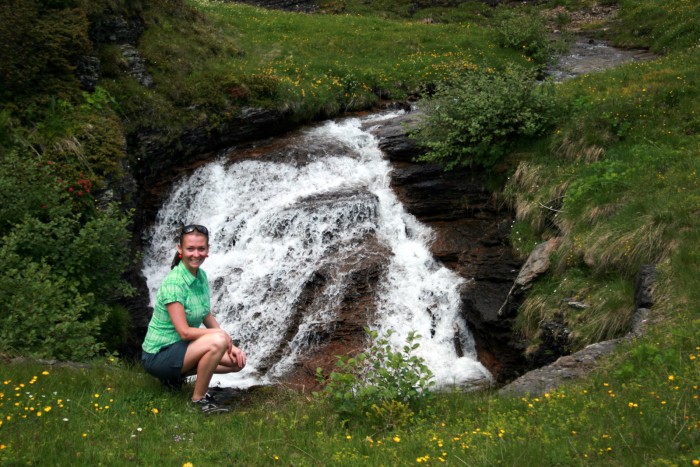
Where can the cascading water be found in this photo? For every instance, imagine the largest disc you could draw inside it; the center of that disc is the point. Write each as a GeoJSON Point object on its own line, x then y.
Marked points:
{"type": "Point", "coordinates": [273, 223]}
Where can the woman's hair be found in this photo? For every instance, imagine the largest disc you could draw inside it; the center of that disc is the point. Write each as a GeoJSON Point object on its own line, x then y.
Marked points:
{"type": "Point", "coordinates": [188, 229]}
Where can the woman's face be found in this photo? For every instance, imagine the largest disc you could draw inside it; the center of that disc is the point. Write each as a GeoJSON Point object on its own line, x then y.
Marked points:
{"type": "Point", "coordinates": [194, 248]}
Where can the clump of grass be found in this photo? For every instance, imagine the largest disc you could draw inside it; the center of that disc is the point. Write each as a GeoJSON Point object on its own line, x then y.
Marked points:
{"type": "Point", "coordinates": [618, 183]}
{"type": "Point", "coordinates": [664, 28]}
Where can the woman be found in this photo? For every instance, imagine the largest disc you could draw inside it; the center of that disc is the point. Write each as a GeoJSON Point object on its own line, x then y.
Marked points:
{"type": "Point", "coordinates": [175, 345]}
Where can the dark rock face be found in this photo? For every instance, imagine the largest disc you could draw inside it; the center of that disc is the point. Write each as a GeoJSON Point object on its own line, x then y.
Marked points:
{"type": "Point", "coordinates": [643, 289]}
{"type": "Point", "coordinates": [472, 232]}
{"type": "Point", "coordinates": [115, 29]}
{"type": "Point", "coordinates": [88, 71]}
{"type": "Point", "coordinates": [578, 364]}
{"type": "Point", "coordinates": [137, 66]}
{"type": "Point", "coordinates": [394, 141]}
{"type": "Point", "coordinates": [109, 28]}
{"type": "Point", "coordinates": [153, 156]}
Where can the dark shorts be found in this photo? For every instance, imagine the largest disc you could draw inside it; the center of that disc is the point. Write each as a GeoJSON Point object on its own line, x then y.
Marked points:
{"type": "Point", "coordinates": [166, 365]}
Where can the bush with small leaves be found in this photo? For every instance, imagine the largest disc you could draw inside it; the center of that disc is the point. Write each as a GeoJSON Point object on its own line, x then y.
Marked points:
{"type": "Point", "coordinates": [475, 119]}
{"type": "Point", "coordinates": [382, 385]}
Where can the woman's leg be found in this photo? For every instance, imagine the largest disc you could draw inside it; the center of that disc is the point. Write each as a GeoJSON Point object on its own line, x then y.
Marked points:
{"type": "Point", "coordinates": [204, 355]}
{"type": "Point", "coordinates": [226, 365]}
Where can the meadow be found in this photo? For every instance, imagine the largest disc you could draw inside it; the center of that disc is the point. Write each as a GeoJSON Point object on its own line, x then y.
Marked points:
{"type": "Point", "coordinates": [642, 408]}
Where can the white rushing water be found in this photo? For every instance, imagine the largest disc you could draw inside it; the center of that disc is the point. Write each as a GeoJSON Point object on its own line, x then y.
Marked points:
{"type": "Point", "coordinates": [273, 222]}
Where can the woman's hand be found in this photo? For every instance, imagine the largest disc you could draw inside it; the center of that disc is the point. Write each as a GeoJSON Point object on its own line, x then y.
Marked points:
{"type": "Point", "coordinates": [237, 355]}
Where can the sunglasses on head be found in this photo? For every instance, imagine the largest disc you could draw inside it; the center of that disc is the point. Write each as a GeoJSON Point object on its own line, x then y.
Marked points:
{"type": "Point", "coordinates": [192, 227]}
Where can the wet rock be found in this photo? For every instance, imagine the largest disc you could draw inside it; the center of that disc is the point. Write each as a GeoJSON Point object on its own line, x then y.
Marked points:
{"type": "Point", "coordinates": [357, 276]}
{"type": "Point", "coordinates": [137, 66]}
{"type": "Point", "coordinates": [88, 71]}
{"type": "Point", "coordinates": [589, 56]}
{"type": "Point", "coordinates": [155, 153]}
{"type": "Point", "coordinates": [570, 367]}
{"type": "Point", "coordinates": [393, 138]}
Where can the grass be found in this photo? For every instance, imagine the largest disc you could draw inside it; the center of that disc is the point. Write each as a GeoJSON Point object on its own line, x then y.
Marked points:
{"type": "Point", "coordinates": [618, 183]}
{"type": "Point", "coordinates": [212, 58]}
{"type": "Point", "coordinates": [641, 409]}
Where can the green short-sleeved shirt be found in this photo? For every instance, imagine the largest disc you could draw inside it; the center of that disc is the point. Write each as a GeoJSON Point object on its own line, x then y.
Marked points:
{"type": "Point", "coordinates": [178, 286]}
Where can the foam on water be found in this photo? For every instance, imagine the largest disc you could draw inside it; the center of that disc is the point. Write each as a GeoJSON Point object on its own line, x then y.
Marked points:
{"type": "Point", "coordinates": [271, 225]}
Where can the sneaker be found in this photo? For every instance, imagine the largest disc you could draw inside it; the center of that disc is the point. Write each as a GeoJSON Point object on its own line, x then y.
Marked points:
{"type": "Point", "coordinates": [207, 405]}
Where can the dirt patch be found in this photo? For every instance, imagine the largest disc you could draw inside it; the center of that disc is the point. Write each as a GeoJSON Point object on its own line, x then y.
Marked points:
{"type": "Point", "coordinates": [561, 19]}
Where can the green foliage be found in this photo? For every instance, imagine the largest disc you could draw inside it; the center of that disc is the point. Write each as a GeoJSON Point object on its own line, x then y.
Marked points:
{"type": "Point", "coordinates": [661, 26]}
{"type": "Point", "coordinates": [66, 279]}
{"type": "Point", "coordinates": [475, 119]}
{"type": "Point", "coordinates": [527, 34]}
{"type": "Point", "coordinates": [618, 183]}
{"type": "Point", "coordinates": [105, 413]}
{"type": "Point", "coordinates": [382, 385]}
{"type": "Point", "coordinates": [65, 256]}
{"type": "Point", "coordinates": [40, 43]}
{"type": "Point", "coordinates": [46, 315]}
{"type": "Point", "coordinates": [216, 57]}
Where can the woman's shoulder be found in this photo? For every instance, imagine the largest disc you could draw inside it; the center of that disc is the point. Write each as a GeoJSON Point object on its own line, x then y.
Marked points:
{"type": "Point", "coordinates": [174, 277]}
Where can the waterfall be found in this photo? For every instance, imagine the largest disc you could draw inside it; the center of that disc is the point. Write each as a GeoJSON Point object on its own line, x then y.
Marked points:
{"type": "Point", "coordinates": [274, 220]}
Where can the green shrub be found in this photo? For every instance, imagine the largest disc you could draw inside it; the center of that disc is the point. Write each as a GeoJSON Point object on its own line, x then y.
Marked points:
{"type": "Point", "coordinates": [476, 119]}
{"type": "Point", "coordinates": [40, 43]}
{"type": "Point", "coordinates": [45, 314]}
{"type": "Point", "coordinates": [527, 34]}
{"type": "Point", "coordinates": [66, 281]}
{"type": "Point", "coordinates": [383, 386]}
{"type": "Point", "coordinates": [65, 258]}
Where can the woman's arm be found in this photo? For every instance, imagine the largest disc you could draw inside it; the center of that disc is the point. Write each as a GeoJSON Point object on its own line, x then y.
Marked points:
{"type": "Point", "coordinates": [236, 354]}
{"type": "Point", "coordinates": [186, 332]}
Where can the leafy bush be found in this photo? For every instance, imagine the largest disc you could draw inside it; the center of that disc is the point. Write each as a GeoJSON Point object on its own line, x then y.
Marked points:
{"type": "Point", "coordinates": [64, 280]}
{"type": "Point", "coordinates": [474, 121]}
{"type": "Point", "coordinates": [527, 34]}
{"type": "Point", "coordinates": [384, 386]}
{"type": "Point", "coordinates": [63, 256]}
{"type": "Point", "coordinates": [40, 43]}
{"type": "Point", "coordinates": [45, 315]}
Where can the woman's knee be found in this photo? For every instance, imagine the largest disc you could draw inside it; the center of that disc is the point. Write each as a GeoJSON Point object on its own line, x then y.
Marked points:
{"type": "Point", "coordinates": [217, 341]}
